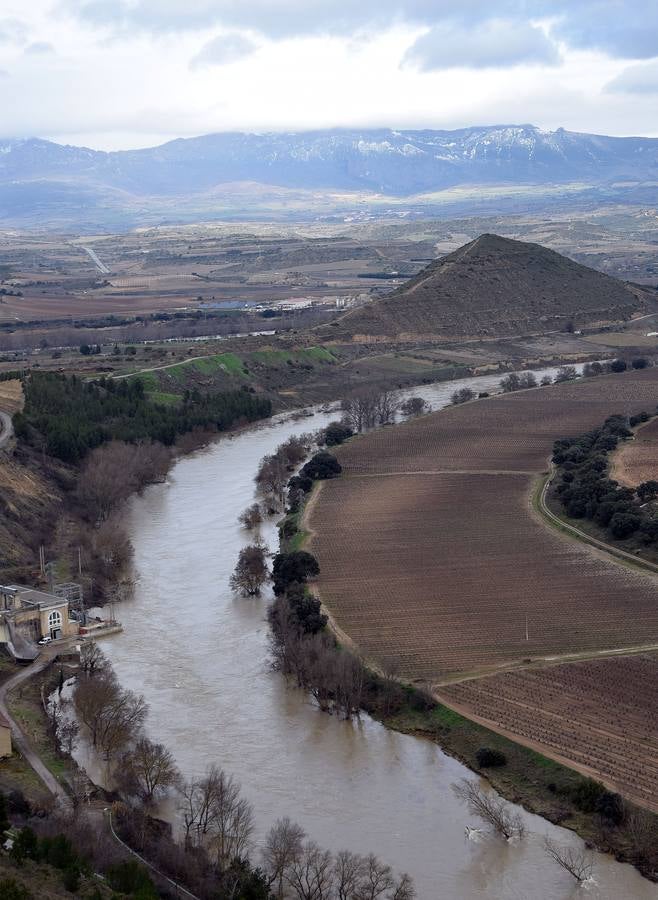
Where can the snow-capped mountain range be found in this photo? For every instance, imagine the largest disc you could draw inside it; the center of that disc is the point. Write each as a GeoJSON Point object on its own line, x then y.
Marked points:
{"type": "Point", "coordinates": [395, 163]}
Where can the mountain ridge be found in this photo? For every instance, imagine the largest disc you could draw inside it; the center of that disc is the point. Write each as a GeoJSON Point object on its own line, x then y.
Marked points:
{"type": "Point", "coordinates": [79, 184]}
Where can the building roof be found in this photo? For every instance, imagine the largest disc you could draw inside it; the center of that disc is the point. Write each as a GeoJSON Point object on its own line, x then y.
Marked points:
{"type": "Point", "coordinates": [34, 597]}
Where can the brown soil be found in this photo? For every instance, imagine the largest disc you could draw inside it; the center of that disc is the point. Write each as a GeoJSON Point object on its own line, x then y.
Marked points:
{"type": "Point", "coordinates": [637, 460]}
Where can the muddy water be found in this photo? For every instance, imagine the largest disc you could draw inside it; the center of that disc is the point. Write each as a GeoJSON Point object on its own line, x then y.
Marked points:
{"type": "Point", "coordinates": [199, 655]}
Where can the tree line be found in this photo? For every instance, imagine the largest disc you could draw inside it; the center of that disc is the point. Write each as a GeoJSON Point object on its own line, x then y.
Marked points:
{"type": "Point", "coordinates": [586, 491]}
{"type": "Point", "coordinates": [67, 417]}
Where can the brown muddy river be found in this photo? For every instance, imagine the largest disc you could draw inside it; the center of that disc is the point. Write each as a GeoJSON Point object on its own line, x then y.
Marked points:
{"type": "Point", "coordinates": [200, 657]}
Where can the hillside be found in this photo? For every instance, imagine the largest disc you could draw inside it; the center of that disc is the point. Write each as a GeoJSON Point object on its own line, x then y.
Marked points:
{"type": "Point", "coordinates": [494, 287]}
{"type": "Point", "coordinates": [235, 174]}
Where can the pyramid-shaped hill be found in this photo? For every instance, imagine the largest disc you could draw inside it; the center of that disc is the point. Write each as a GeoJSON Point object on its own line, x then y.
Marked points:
{"type": "Point", "coordinates": [494, 287]}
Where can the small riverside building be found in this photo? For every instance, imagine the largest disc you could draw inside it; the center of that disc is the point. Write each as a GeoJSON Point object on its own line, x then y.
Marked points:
{"type": "Point", "coordinates": [33, 614]}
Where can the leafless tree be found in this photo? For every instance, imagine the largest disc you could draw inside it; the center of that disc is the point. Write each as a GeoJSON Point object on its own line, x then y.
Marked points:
{"type": "Point", "coordinates": [404, 888]}
{"type": "Point", "coordinates": [349, 869]}
{"type": "Point", "coordinates": [386, 408]}
{"type": "Point", "coordinates": [67, 734]}
{"type": "Point", "coordinates": [490, 807]}
{"type": "Point", "coordinates": [252, 517]}
{"type": "Point", "coordinates": [377, 879]}
{"type": "Point", "coordinates": [272, 477]}
{"type": "Point", "coordinates": [463, 395]}
{"type": "Point", "coordinates": [92, 659]}
{"type": "Point", "coordinates": [360, 410]}
{"type": "Point", "coordinates": [566, 373]}
{"type": "Point", "coordinates": [216, 816]}
{"type": "Point", "coordinates": [283, 847]}
{"type": "Point", "coordinates": [311, 875]}
{"type": "Point", "coordinates": [113, 715]}
{"type": "Point", "coordinates": [578, 863]}
{"type": "Point", "coordinates": [349, 684]}
{"type": "Point", "coordinates": [414, 406]}
{"type": "Point", "coordinates": [149, 769]}
{"type": "Point", "coordinates": [294, 450]}
{"type": "Point", "coordinates": [642, 830]}
{"type": "Point", "coordinates": [251, 571]}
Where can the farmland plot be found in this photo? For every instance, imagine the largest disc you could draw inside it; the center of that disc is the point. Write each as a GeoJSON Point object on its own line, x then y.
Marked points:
{"type": "Point", "coordinates": [601, 715]}
{"type": "Point", "coordinates": [637, 460]}
{"type": "Point", "coordinates": [435, 564]}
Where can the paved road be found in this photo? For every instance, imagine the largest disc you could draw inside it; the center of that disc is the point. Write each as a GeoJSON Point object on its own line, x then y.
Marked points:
{"type": "Point", "coordinates": [96, 261]}
{"type": "Point", "coordinates": [6, 428]}
{"type": "Point", "coordinates": [19, 740]}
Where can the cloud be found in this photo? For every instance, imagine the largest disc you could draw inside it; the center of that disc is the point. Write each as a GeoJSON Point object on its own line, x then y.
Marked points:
{"type": "Point", "coordinates": [222, 50]}
{"type": "Point", "coordinates": [640, 79]}
{"type": "Point", "coordinates": [497, 44]}
{"type": "Point", "coordinates": [623, 28]}
{"type": "Point", "coordinates": [39, 47]}
{"type": "Point", "coordinates": [13, 31]}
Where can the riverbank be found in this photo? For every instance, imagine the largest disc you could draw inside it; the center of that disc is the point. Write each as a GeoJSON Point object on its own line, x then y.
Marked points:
{"type": "Point", "coordinates": [540, 784]}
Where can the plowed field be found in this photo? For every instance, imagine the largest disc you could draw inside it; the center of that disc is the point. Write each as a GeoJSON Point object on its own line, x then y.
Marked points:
{"type": "Point", "coordinates": [601, 715]}
{"type": "Point", "coordinates": [432, 558]}
{"type": "Point", "coordinates": [637, 460]}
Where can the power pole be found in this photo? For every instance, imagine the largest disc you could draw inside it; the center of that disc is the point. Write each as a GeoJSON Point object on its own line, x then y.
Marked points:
{"type": "Point", "coordinates": [527, 637]}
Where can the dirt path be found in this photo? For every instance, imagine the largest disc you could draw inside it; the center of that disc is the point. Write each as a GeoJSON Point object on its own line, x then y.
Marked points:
{"type": "Point", "coordinates": [6, 429]}
{"type": "Point", "coordinates": [18, 738]}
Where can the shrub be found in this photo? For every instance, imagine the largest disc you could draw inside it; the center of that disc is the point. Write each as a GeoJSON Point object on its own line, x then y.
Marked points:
{"type": "Point", "coordinates": [10, 889]}
{"type": "Point", "coordinates": [586, 795]}
{"type": "Point", "coordinates": [131, 878]}
{"type": "Point", "coordinates": [618, 365]}
{"type": "Point", "coordinates": [488, 758]}
{"type": "Point", "coordinates": [610, 807]}
{"type": "Point", "coordinates": [290, 567]}
{"type": "Point", "coordinates": [640, 362]}
{"type": "Point", "coordinates": [622, 525]}
{"type": "Point", "coordinates": [337, 432]}
{"type": "Point", "coordinates": [463, 395]}
{"type": "Point", "coordinates": [322, 465]}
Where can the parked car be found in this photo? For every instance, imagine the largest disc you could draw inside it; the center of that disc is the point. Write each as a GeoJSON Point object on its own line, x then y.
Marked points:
{"type": "Point", "coordinates": [45, 640]}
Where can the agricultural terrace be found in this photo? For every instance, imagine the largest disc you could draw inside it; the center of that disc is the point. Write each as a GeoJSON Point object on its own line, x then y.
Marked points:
{"type": "Point", "coordinates": [636, 461]}
{"type": "Point", "coordinates": [600, 715]}
{"type": "Point", "coordinates": [432, 556]}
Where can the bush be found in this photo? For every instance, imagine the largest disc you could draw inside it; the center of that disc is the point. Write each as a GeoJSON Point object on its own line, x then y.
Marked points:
{"type": "Point", "coordinates": [586, 795]}
{"type": "Point", "coordinates": [639, 362]}
{"type": "Point", "coordinates": [618, 365]}
{"type": "Point", "coordinates": [321, 466]}
{"type": "Point", "coordinates": [622, 525]}
{"type": "Point", "coordinates": [463, 395]}
{"type": "Point", "coordinates": [10, 889]}
{"type": "Point", "coordinates": [131, 878]}
{"type": "Point", "coordinates": [290, 567]}
{"type": "Point", "coordinates": [488, 758]}
{"type": "Point", "coordinates": [336, 433]}
{"type": "Point", "coordinates": [610, 807]}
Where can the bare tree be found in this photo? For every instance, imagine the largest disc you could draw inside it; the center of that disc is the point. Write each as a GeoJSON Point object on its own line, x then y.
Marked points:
{"type": "Point", "coordinates": [642, 831]}
{"type": "Point", "coordinates": [216, 816]}
{"type": "Point", "coordinates": [349, 869]}
{"type": "Point", "coordinates": [252, 517]}
{"type": "Point", "coordinates": [283, 847]}
{"type": "Point", "coordinates": [92, 658]}
{"type": "Point", "coordinates": [578, 863]}
{"type": "Point", "coordinates": [251, 571]}
{"type": "Point", "coordinates": [272, 477]}
{"type": "Point", "coordinates": [463, 395]}
{"type": "Point", "coordinates": [67, 734]}
{"type": "Point", "coordinates": [149, 769]}
{"type": "Point", "coordinates": [386, 408]}
{"type": "Point", "coordinates": [404, 889]}
{"type": "Point", "coordinates": [311, 875]}
{"type": "Point", "coordinates": [490, 807]}
{"type": "Point", "coordinates": [113, 715]}
{"type": "Point", "coordinates": [414, 406]}
{"type": "Point", "coordinates": [377, 878]}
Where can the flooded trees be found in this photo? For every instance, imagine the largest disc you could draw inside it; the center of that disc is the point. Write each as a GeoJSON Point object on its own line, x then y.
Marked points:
{"type": "Point", "coordinates": [149, 770]}
{"type": "Point", "coordinates": [216, 817]}
{"type": "Point", "coordinates": [305, 871]}
{"type": "Point", "coordinates": [490, 807]}
{"type": "Point", "coordinates": [251, 517]}
{"type": "Point", "coordinates": [251, 571]}
{"type": "Point", "coordinates": [113, 715]}
{"type": "Point", "coordinates": [578, 863]}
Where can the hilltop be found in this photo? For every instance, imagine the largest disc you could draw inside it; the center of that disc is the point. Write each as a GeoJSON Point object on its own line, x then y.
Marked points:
{"type": "Point", "coordinates": [494, 287]}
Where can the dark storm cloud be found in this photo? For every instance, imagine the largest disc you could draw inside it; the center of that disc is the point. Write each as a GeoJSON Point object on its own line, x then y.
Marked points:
{"type": "Point", "coordinates": [623, 28]}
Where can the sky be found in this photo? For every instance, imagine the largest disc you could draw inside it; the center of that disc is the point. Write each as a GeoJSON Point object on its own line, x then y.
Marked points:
{"type": "Point", "coordinates": [119, 74]}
